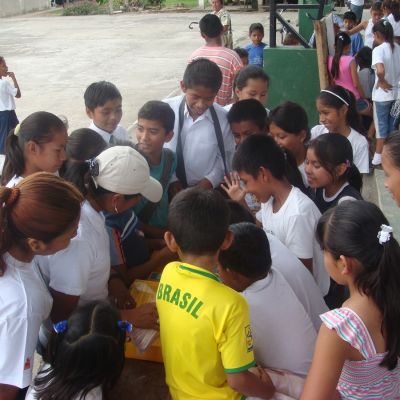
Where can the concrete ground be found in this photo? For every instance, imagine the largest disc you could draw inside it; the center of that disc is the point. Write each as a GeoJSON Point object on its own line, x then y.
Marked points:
{"type": "Point", "coordinates": [55, 58]}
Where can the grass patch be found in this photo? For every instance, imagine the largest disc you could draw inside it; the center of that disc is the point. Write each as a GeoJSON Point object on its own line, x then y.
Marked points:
{"type": "Point", "coordinates": [185, 3]}
{"type": "Point", "coordinates": [85, 8]}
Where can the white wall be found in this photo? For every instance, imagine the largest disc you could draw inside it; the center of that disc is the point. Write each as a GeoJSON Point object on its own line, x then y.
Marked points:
{"type": "Point", "coordinates": [15, 7]}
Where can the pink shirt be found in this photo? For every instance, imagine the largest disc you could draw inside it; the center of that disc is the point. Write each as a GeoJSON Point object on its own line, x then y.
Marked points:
{"type": "Point", "coordinates": [228, 62]}
{"type": "Point", "coordinates": [344, 78]}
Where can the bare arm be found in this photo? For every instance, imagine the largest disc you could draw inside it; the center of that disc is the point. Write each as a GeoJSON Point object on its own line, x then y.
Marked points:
{"type": "Point", "coordinates": [63, 305]}
{"type": "Point", "coordinates": [308, 263]}
{"type": "Point", "coordinates": [382, 82]}
{"type": "Point", "coordinates": [329, 356]}
{"type": "Point", "coordinates": [355, 79]}
{"type": "Point", "coordinates": [249, 384]}
{"type": "Point", "coordinates": [360, 27]}
{"type": "Point", "coordinates": [8, 392]}
{"type": "Point", "coordinates": [14, 79]}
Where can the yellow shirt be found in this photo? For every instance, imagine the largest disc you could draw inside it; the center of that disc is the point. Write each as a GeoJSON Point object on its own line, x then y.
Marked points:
{"type": "Point", "coordinates": [205, 333]}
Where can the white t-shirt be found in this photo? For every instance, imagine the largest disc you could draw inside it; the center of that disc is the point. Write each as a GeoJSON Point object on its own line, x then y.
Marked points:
{"type": "Point", "coordinates": [24, 303]}
{"type": "Point", "coordinates": [395, 25]}
{"type": "Point", "coordinates": [302, 169]}
{"type": "Point", "coordinates": [299, 278]}
{"type": "Point", "coordinates": [283, 334]}
{"type": "Point", "coordinates": [200, 147]}
{"type": "Point", "coordinates": [119, 133]}
{"type": "Point", "coordinates": [14, 181]}
{"type": "Point", "coordinates": [383, 54]}
{"type": "Point", "coordinates": [369, 35]}
{"type": "Point", "coordinates": [294, 225]}
{"type": "Point", "coordinates": [7, 95]}
{"type": "Point", "coordinates": [94, 394]}
{"type": "Point", "coordinates": [357, 2]}
{"type": "Point", "coordinates": [359, 145]}
{"type": "Point", "coordinates": [83, 268]}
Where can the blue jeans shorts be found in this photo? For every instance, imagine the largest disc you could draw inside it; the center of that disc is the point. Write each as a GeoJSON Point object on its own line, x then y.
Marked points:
{"type": "Point", "coordinates": [384, 122]}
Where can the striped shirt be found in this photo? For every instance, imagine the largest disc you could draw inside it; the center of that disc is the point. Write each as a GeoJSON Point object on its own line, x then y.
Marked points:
{"type": "Point", "coordinates": [228, 62]}
{"type": "Point", "coordinates": [364, 379]}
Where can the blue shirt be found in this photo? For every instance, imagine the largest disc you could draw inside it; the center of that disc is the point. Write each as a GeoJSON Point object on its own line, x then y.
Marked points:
{"type": "Point", "coordinates": [256, 54]}
{"type": "Point", "coordinates": [356, 43]}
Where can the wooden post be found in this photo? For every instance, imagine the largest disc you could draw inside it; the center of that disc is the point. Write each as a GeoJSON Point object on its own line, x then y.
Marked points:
{"type": "Point", "coordinates": [322, 53]}
{"type": "Point", "coordinates": [110, 4]}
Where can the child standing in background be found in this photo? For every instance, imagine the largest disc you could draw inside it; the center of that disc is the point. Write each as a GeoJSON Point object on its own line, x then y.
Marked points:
{"type": "Point", "coordinates": [103, 103]}
{"type": "Point", "coordinates": [256, 47]}
{"type": "Point", "coordinates": [8, 118]}
{"type": "Point", "coordinates": [349, 22]}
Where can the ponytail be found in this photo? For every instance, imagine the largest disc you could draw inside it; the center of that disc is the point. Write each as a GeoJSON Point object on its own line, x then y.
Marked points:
{"type": "Point", "coordinates": [353, 229]}
{"type": "Point", "coordinates": [342, 40]}
{"type": "Point", "coordinates": [292, 172]}
{"type": "Point", "coordinates": [354, 177]}
{"type": "Point", "coordinates": [384, 27]}
{"type": "Point", "coordinates": [38, 127]}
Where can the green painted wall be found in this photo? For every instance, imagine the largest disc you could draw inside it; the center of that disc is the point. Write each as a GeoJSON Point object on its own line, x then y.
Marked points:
{"type": "Point", "coordinates": [294, 76]}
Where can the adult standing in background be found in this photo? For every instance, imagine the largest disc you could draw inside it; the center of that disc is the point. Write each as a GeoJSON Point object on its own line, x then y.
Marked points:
{"type": "Point", "coordinates": [225, 18]}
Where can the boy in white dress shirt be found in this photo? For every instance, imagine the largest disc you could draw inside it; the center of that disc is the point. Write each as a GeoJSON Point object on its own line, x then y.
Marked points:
{"type": "Point", "coordinates": [202, 137]}
{"type": "Point", "coordinates": [103, 103]}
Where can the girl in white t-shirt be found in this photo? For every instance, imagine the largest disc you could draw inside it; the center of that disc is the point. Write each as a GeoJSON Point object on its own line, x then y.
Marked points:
{"type": "Point", "coordinates": [391, 8]}
{"type": "Point", "coordinates": [36, 144]}
{"type": "Point", "coordinates": [286, 211]}
{"type": "Point", "coordinates": [85, 355]}
{"type": "Point", "coordinates": [38, 216]}
{"type": "Point", "coordinates": [288, 125]}
{"type": "Point", "coordinates": [8, 118]}
{"type": "Point", "coordinates": [338, 114]}
{"type": "Point", "coordinates": [386, 63]}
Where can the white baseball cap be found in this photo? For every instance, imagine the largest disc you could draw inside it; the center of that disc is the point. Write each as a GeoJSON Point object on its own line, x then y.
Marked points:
{"type": "Point", "coordinates": [121, 169]}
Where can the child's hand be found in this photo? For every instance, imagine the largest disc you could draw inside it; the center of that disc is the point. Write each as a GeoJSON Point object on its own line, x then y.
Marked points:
{"type": "Point", "coordinates": [384, 85]}
{"type": "Point", "coordinates": [11, 75]}
{"type": "Point", "coordinates": [232, 187]}
{"type": "Point", "coordinates": [120, 295]}
{"type": "Point", "coordinates": [144, 316]}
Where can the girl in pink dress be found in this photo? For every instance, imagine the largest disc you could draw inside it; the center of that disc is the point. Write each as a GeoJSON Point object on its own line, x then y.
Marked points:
{"type": "Point", "coordinates": [358, 345]}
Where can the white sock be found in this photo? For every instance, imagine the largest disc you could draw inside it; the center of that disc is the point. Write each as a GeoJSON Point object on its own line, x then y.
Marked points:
{"type": "Point", "coordinates": [377, 160]}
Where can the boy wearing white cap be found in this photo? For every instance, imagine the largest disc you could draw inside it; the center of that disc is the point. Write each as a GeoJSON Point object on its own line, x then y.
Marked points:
{"type": "Point", "coordinates": [113, 181]}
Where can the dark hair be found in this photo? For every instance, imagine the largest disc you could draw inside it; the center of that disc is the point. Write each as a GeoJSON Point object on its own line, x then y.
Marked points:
{"type": "Point", "coordinates": [158, 111]}
{"type": "Point", "coordinates": [342, 40]}
{"type": "Point", "coordinates": [241, 52]}
{"type": "Point", "coordinates": [350, 15]}
{"type": "Point", "coordinates": [249, 72]}
{"type": "Point", "coordinates": [239, 213]}
{"type": "Point", "coordinates": [350, 229]}
{"type": "Point", "coordinates": [256, 27]}
{"type": "Point", "coordinates": [39, 127]}
{"type": "Point", "coordinates": [98, 93]}
{"type": "Point", "coordinates": [2, 60]}
{"type": "Point", "coordinates": [248, 110]}
{"type": "Point", "coordinates": [392, 147]}
{"type": "Point", "coordinates": [291, 117]}
{"type": "Point", "coordinates": [330, 100]}
{"type": "Point", "coordinates": [42, 206]}
{"type": "Point", "coordinates": [260, 150]}
{"type": "Point", "coordinates": [333, 149]}
{"type": "Point", "coordinates": [393, 6]}
{"type": "Point", "coordinates": [376, 6]}
{"type": "Point", "coordinates": [364, 57]}
{"type": "Point", "coordinates": [211, 26]}
{"type": "Point", "coordinates": [249, 254]}
{"type": "Point", "coordinates": [198, 219]}
{"type": "Point", "coordinates": [385, 28]}
{"type": "Point", "coordinates": [83, 144]}
{"type": "Point", "coordinates": [203, 72]}
{"type": "Point", "coordinates": [90, 353]}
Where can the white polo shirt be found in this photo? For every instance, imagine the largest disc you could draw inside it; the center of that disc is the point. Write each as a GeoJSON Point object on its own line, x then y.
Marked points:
{"type": "Point", "coordinates": [283, 334]}
{"type": "Point", "coordinates": [24, 303]}
{"type": "Point", "coordinates": [7, 95]}
{"type": "Point", "coordinates": [359, 145]}
{"type": "Point", "coordinates": [299, 278]}
{"type": "Point", "coordinates": [119, 133]}
{"type": "Point", "coordinates": [83, 268]}
{"type": "Point", "coordinates": [14, 181]}
{"type": "Point", "coordinates": [294, 225]}
{"type": "Point", "coordinates": [200, 147]}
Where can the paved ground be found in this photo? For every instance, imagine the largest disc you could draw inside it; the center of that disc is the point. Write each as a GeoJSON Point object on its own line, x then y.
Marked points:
{"type": "Point", "coordinates": [144, 54]}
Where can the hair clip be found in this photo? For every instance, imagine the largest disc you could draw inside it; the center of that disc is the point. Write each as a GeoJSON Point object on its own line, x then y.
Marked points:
{"type": "Point", "coordinates": [94, 168]}
{"type": "Point", "coordinates": [12, 198]}
{"type": "Point", "coordinates": [384, 234]}
{"type": "Point", "coordinates": [125, 326]}
{"type": "Point", "coordinates": [60, 327]}
{"type": "Point", "coordinates": [17, 129]}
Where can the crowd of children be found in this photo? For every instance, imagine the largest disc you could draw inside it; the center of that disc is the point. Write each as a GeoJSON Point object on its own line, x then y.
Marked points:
{"type": "Point", "coordinates": [276, 279]}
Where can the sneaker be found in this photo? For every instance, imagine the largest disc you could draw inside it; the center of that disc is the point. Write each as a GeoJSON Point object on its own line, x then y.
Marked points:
{"type": "Point", "coordinates": [377, 160]}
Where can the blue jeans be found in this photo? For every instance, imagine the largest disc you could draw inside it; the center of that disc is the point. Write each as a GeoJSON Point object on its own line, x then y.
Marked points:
{"type": "Point", "coordinates": [358, 10]}
{"type": "Point", "coordinates": [384, 122]}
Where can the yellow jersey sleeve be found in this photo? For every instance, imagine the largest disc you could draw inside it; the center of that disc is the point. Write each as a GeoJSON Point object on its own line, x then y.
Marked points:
{"type": "Point", "coordinates": [236, 342]}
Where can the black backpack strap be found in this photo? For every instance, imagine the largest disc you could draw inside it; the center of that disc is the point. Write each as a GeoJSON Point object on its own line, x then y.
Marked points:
{"type": "Point", "coordinates": [218, 134]}
{"type": "Point", "coordinates": [180, 167]}
{"type": "Point", "coordinates": [147, 211]}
